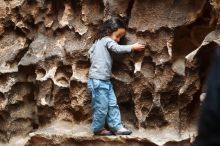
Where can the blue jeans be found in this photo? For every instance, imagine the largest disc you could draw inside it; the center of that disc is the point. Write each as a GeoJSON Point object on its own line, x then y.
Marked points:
{"type": "Point", "coordinates": [104, 105]}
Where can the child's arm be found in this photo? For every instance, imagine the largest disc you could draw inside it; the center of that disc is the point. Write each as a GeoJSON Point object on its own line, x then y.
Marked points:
{"type": "Point", "coordinates": [115, 47]}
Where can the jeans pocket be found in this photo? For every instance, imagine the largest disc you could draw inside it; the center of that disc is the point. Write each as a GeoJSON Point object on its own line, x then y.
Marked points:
{"type": "Point", "coordinates": [104, 85]}
{"type": "Point", "coordinates": [95, 83]}
{"type": "Point", "coordinates": [101, 87]}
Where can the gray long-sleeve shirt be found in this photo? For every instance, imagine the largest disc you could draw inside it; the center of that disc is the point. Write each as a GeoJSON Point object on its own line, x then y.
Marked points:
{"type": "Point", "coordinates": [100, 58]}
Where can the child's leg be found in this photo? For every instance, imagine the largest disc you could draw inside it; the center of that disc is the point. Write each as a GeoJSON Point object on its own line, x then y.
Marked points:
{"type": "Point", "coordinates": [114, 116]}
{"type": "Point", "coordinates": [99, 90]}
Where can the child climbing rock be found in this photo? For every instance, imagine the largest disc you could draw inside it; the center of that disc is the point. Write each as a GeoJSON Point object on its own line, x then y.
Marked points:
{"type": "Point", "coordinates": [104, 102]}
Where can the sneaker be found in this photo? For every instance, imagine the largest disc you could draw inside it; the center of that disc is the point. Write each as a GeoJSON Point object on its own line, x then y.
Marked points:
{"type": "Point", "coordinates": [123, 131]}
{"type": "Point", "coordinates": [103, 132]}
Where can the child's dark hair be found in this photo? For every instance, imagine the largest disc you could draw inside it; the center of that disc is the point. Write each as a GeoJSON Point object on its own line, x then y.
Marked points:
{"type": "Point", "coordinates": [109, 26]}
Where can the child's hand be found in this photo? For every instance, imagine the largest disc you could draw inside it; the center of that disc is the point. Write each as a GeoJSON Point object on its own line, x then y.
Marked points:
{"type": "Point", "coordinates": [137, 47]}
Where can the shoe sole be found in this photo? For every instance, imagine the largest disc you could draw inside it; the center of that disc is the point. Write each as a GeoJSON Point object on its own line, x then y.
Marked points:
{"type": "Point", "coordinates": [124, 133]}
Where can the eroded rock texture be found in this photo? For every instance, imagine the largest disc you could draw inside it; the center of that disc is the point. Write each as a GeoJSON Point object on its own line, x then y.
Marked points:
{"type": "Point", "coordinates": [44, 67]}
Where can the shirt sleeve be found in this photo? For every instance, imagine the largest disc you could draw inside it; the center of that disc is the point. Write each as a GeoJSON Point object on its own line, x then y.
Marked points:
{"type": "Point", "coordinates": [115, 47]}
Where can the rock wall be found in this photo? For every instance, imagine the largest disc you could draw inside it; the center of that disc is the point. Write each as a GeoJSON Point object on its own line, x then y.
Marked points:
{"type": "Point", "coordinates": [44, 65]}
